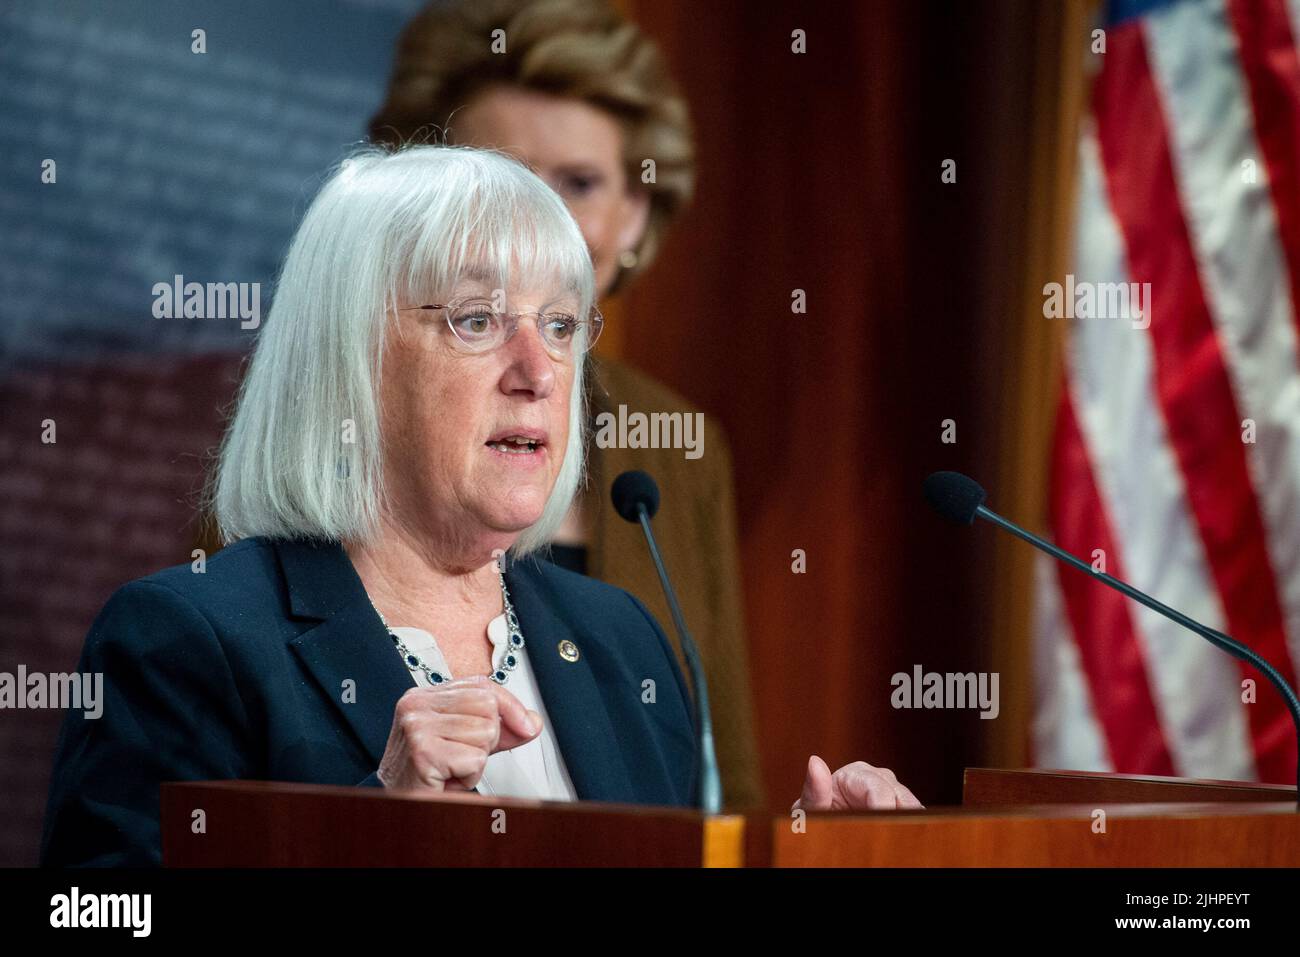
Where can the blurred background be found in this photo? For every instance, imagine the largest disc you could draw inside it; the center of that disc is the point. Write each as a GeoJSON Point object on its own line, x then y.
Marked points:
{"type": "Point", "coordinates": [923, 172]}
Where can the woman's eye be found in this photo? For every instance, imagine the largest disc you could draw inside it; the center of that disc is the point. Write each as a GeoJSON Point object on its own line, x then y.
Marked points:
{"type": "Point", "coordinates": [475, 324]}
{"type": "Point", "coordinates": [578, 185]}
{"type": "Point", "coordinates": [561, 327]}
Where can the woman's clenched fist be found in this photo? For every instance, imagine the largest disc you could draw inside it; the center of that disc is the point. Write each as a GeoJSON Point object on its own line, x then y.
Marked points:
{"type": "Point", "coordinates": [442, 737]}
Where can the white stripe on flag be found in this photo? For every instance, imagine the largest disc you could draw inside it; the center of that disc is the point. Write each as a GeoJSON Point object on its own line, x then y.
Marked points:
{"type": "Point", "coordinates": [1065, 729]}
{"type": "Point", "coordinates": [1293, 9]}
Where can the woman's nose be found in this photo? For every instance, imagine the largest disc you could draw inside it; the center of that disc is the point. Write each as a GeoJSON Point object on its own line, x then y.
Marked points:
{"type": "Point", "coordinates": [529, 367]}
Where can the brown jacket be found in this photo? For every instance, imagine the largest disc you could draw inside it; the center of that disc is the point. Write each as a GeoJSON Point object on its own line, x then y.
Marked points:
{"type": "Point", "coordinates": [696, 531]}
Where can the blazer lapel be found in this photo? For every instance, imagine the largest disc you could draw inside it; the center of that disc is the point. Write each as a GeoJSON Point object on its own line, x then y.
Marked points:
{"type": "Point", "coordinates": [570, 693]}
{"type": "Point", "coordinates": [350, 643]}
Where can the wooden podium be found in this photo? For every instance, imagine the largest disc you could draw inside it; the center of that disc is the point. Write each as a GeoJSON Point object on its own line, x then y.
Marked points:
{"type": "Point", "coordinates": [1028, 818]}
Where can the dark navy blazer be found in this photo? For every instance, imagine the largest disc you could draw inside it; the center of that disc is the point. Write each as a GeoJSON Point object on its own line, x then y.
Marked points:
{"type": "Point", "coordinates": [240, 672]}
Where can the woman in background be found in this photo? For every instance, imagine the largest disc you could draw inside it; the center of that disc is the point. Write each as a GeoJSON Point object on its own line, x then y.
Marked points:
{"type": "Point", "coordinates": [582, 97]}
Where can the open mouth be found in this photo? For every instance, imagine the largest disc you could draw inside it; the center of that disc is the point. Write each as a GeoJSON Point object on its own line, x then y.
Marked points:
{"type": "Point", "coordinates": [516, 444]}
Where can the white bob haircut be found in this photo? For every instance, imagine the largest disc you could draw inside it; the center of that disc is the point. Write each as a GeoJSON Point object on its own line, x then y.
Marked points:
{"type": "Point", "coordinates": [302, 457]}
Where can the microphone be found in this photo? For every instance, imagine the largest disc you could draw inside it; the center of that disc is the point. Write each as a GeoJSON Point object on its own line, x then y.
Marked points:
{"type": "Point", "coordinates": [636, 499]}
{"type": "Point", "coordinates": [960, 499]}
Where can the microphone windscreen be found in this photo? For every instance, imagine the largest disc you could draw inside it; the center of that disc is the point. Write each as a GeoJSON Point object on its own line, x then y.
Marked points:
{"type": "Point", "coordinates": [632, 489]}
{"type": "Point", "coordinates": [954, 496]}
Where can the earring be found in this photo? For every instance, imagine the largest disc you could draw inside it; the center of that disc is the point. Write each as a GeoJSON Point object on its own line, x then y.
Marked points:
{"type": "Point", "coordinates": [628, 259]}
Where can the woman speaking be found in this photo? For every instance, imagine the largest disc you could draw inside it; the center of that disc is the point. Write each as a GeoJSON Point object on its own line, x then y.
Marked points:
{"type": "Point", "coordinates": [408, 433]}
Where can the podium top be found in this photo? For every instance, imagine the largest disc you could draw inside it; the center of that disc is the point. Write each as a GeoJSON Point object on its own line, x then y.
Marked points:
{"type": "Point", "coordinates": [260, 823]}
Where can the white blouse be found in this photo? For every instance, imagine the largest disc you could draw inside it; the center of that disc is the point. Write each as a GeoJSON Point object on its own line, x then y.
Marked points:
{"type": "Point", "coordinates": [532, 770]}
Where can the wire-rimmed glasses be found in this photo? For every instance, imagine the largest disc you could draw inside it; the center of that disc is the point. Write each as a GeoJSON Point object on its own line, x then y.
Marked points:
{"type": "Point", "coordinates": [478, 326]}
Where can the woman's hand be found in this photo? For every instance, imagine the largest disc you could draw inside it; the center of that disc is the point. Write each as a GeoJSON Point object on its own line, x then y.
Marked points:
{"type": "Point", "coordinates": [854, 787]}
{"type": "Point", "coordinates": [442, 736]}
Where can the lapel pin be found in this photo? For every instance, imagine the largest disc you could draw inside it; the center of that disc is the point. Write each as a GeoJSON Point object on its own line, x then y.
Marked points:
{"type": "Point", "coordinates": [568, 650]}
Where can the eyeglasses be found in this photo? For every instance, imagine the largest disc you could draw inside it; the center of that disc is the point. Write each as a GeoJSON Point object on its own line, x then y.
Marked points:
{"type": "Point", "coordinates": [478, 327]}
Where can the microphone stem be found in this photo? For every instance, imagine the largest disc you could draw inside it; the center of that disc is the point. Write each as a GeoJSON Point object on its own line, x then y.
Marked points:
{"type": "Point", "coordinates": [710, 784]}
{"type": "Point", "coordinates": [1216, 638]}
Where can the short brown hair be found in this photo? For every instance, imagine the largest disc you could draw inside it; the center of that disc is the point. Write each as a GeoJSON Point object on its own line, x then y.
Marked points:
{"type": "Point", "coordinates": [575, 48]}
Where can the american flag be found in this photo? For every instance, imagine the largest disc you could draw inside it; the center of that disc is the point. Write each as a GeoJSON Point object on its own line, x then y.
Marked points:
{"type": "Point", "coordinates": [1176, 454]}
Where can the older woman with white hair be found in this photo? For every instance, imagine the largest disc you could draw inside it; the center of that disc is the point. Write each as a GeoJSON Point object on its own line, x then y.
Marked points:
{"type": "Point", "coordinates": [408, 433]}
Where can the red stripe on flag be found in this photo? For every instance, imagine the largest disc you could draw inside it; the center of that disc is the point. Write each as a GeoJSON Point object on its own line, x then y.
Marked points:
{"type": "Point", "coordinates": [1100, 617]}
{"type": "Point", "coordinates": [1192, 381]}
{"type": "Point", "coordinates": [1272, 69]}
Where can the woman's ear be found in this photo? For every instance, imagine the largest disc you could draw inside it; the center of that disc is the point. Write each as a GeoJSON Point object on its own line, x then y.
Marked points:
{"type": "Point", "coordinates": [635, 213]}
